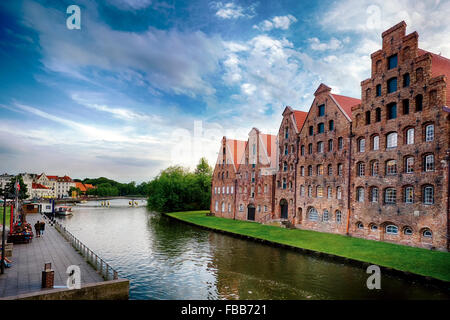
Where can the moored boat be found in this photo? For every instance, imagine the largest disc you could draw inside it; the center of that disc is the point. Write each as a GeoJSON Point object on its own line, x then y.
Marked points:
{"type": "Point", "coordinates": [63, 211]}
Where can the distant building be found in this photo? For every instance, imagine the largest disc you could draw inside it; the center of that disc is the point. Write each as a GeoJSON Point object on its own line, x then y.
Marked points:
{"type": "Point", "coordinates": [4, 180]}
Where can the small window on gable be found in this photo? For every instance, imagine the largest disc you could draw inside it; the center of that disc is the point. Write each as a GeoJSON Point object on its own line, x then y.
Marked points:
{"type": "Point", "coordinates": [406, 80]}
{"type": "Point", "coordinates": [419, 102]}
{"type": "Point", "coordinates": [392, 62]}
{"type": "Point", "coordinates": [331, 125]}
{"type": "Point", "coordinates": [392, 85]}
{"type": "Point", "coordinates": [321, 128]}
{"type": "Point", "coordinates": [378, 90]}
{"type": "Point", "coordinates": [367, 117]}
{"type": "Point", "coordinates": [391, 111]}
{"type": "Point", "coordinates": [377, 114]}
{"type": "Point", "coordinates": [321, 110]}
{"type": "Point", "coordinates": [419, 75]}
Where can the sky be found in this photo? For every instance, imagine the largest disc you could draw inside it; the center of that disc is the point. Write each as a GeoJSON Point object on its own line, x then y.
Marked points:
{"type": "Point", "coordinates": [145, 84]}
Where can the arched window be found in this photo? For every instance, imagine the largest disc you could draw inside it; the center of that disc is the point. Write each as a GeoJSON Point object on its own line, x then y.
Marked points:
{"type": "Point", "coordinates": [374, 168]}
{"type": "Point", "coordinates": [361, 145]}
{"type": "Point", "coordinates": [340, 143]}
{"type": "Point", "coordinates": [329, 192]}
{"type": "Point", "coordinates": [427, 233]}
{"type": "Point", "coordinates": [409, 164]}
{"type": "Point", "coordinates": [419, 74]}
{"type": "Point", "coordinates": [406, 80]}
{"type": "Point", "coordinates": [391, 140]}
{"type": "Point", "coordinates": [309, 191]}
{"type": "Point", "coordinates": [407, 231]}
{"type": "Point", "coordinates": [216, 206]}
{"type": "Point", "coordinates": [330, 145]}
{"type": "Point", "coordinates": [320, 170]}
{"type": "Point", "coordinates": [419, 103]}
{"type": "Point", "coordinates": [330, 170]}
{"type": "Point", "coordinates": [325, 215]}
{"type": "Point", "coordinates": [428, 194]}
{"type": "Point", "coordinates": [331, 125]}
{"type": "Point", "coordinates": [361, 168]}
{"type": "Point", "coordinates": [310, 148]}
{"type": "Point", "coordinates": [338, 216]}
{"type": "Point", "coordinates": [302, 150]}
{"type": "Point", "coordinates": [360, 225]}
{"type": "Point", "coordinates": [339, 193]}
{"type": "Point", "coordinates": [409, 194]}
{"type": "Point", "coordinates": [286, 132]}
{"type": "Point", "coordinates": [302, 171]}
{"type": "Point", "coordinates": [391, 229]}
{"type": "Point", "coordinates": [309, 170]}
{"type": "Point", "coordinates": [311, 130]}
{"type": "Point", "coordinates": [428, 162]}
{"type": "Point", "coordinates": [377, 114]}
{"type": "Point", "coordinates": [302, 190]}
{"type": "Point", "coordinates": [390, 196]}
{"type": "Point", "coordinates": [320, 147]}
{"type": "Point", "coordinates": [340, 169]}
{"type": "Point", "coordinates": [376, 142]}
{"type": "Point", "coordinates": [374, 194]}
{"type": "Point", "coordinates": [223, 206]}
{"type": "Point", "coordinates": [373, 227]}
{"type": "Point", "coordinates": [319, 191]}
{"type": "Point", "coordinates": [285, 166]}
{"type": "Point", "coordinates": [410, 136]}
{"type": "Point", "coordinates": [360, 194]}
{"type": "Point", "coordinates": [391, 167]}
{"type": "Point", "coordinates": [312, 214]}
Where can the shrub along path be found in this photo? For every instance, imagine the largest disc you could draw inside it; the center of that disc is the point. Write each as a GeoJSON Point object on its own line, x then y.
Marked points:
{"type": "Point", "coordinates": [424, 262]}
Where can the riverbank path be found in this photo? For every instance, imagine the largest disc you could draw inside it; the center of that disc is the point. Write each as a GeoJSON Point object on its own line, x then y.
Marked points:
{"type": "Point", "coordinates": [28, 261]}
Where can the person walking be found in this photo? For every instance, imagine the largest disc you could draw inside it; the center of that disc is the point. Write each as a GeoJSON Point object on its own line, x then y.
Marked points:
{"type": "Point", "coordinates": [37, 227]}
{"type": "Point", "coordinates": [42, 228]}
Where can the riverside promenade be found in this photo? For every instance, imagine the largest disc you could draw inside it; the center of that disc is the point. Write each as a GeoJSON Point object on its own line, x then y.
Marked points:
{"type": "Point", "coordinates": [28, 263]}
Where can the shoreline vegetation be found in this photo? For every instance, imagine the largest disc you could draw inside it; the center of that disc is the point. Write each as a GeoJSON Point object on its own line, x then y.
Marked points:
{"type": "Point", "coordinates": [408, 260]}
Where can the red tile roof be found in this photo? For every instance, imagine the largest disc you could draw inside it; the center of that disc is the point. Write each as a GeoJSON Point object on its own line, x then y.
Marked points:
{"type": "Point", "coordinates": [38, 186]}
{"type": "Point", "coordinates": [439, 66]}
{"type": "Point", "coordinates": [300, 117]}
{"type": "Point", "coordinates": [80, 186]}
{"type": "Point", "coordinates": [346, 103]}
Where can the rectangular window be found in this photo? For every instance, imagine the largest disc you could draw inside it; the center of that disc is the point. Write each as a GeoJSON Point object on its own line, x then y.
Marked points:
{"type": "Point", "coordinates": [378, 90]}
{"type": "Point", "coordinates": [321, 127]}
{"type": "Point", "coordinates": [406, 80]}
{"type": "Point", "coordinates": [391, 111]}
{"type": "Point", "coordinates": [321, 110]}
{"type": "Point", "coordinates": [390, 196]}
{"type": "Point", "coordinates": [429, 133]}
{"type": "Point", "coordinates": [392, 85]}
{"type": "Point", "coordinates": [405, 106]}
{"type": "Point", "coordinates": [391, 167]}
{"type": "Point", "coordinates": [367, 117]}
{"type": "Point", "coordinates": [392, 62]}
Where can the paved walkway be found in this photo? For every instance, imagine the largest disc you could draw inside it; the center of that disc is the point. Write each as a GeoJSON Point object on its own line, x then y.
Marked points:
{"type": "Point", "coordinates": [28, 262]}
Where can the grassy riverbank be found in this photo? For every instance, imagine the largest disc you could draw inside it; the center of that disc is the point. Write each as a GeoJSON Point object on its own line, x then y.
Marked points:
{"type": "Point", "coordinates": [434, 264]}
{"type": "Point", "coordinates": [7, 215]}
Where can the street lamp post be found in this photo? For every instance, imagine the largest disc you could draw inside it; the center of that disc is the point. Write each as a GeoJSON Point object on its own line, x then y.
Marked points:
{"type": "Point", "coordinates": [2, 262]}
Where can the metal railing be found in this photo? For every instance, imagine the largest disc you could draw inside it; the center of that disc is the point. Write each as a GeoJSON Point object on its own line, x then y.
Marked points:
{"type": "Point", "coordinates": [100, 265]}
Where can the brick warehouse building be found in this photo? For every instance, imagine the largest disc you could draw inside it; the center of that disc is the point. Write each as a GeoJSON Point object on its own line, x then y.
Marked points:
{"type": "Point", "coordinates": [376, 168]}
{"type": "Point", "coordinates": [255, 178]}
{"type": "Point", "coordinates": [323, 163]}
{"type": "Point", "coordinates": [286, 176]}
{"type": "Point", "coordinates": [400, 164]}
{"type": "Point", "coordinates": [223, 198]}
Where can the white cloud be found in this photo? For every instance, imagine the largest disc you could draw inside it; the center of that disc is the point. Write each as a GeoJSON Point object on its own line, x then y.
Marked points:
{"type": "Point", "coordinates": [131, 4]}
{"type": "Point", "coordinates": [278, 22]}
{"type": "Point", "coordinates": [333, 44]}
{"type": "Point", "coordinates": [163, 60]}
{"type": "Point", "coordinates": [231, 10]}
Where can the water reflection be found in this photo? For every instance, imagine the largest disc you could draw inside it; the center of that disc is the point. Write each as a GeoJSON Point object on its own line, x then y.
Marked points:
{"type": "Point", "coordinates": [167, 259]}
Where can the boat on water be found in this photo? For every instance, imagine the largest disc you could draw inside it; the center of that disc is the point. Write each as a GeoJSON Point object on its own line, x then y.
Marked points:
{"type": "Point", "coordinates": [63, 211]}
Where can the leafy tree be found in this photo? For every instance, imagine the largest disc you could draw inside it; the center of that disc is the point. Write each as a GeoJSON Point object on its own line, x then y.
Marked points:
{"type": "Point", "coordinates": [177, 189]}
{"type": "Point", "coordinates": [11, 188]}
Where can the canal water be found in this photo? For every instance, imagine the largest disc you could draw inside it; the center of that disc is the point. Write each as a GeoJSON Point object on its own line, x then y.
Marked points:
{"type": "Point", "coordinates": [167, 259]}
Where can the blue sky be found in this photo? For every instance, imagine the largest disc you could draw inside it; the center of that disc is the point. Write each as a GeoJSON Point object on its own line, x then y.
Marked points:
{"type": "Point", "coordinates": [145, 84]}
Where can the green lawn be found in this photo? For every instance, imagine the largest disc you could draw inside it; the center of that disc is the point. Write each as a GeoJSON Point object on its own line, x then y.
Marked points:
{"type": "Point", "coordinates": [7, 215]}
{"type": "Point", "coordinates": [435, 264]}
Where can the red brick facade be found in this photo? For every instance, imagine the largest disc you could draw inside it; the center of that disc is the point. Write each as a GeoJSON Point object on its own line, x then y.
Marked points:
{"type": "Point", "coordinates": [376, 168]}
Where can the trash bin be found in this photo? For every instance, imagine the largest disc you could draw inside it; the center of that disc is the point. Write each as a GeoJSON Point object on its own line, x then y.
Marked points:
{"type": "Point", "coordinates": [48, 276]}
